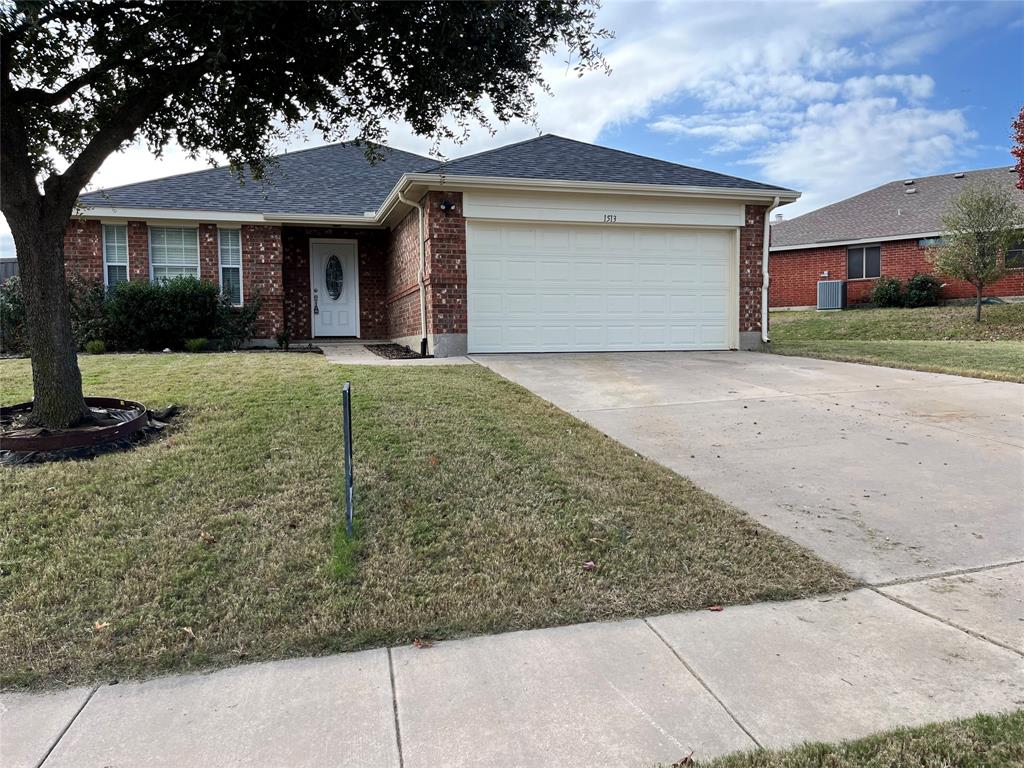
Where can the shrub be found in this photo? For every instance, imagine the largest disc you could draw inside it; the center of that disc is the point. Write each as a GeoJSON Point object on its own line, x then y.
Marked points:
{"type": "Point", "coordinates": [235, 325]}
{"type": "Point", "coordinates": [95, 347]}
{"type": "Point", "coordinates": [88, 310]}
{"type": "Point", "coordinates": [923, 291]}
{"type": "Point", "coordinates": [195, 345]}
{"type": "Point", "coordinates": [145, 315]}
{"type": "Point", "coordinates": [86, 301]}
{"type": "Point", "coordinates": [888, 292]}
{"type": "Point", "coordinates": [12, 316]}
{"type": "Point", "coordinates": [284, 339]}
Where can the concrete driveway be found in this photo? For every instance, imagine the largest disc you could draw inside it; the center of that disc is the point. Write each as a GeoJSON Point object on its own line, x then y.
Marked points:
{"type": "Point", "coordinates": [892, 475]}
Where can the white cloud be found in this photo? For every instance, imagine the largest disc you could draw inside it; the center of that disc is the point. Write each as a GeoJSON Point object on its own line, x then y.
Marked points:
{"type": "Point", "coordinates": [755, 74]}
{"type": "Point", "coordinates": [914, 87]}
{"type": "Point", "coordinates": [840, 149]}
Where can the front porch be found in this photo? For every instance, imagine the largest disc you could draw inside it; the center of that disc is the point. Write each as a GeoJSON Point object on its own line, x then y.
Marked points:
{"type": "Point", "coordinates": [362, 293]}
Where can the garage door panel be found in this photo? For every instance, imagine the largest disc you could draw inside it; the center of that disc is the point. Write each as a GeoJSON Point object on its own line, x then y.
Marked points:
{"type": "Point", "coordinates": [551, 287]}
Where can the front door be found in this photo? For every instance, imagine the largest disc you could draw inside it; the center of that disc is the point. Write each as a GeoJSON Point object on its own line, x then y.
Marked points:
{"type": "Point", "coordinates": [334, 287]}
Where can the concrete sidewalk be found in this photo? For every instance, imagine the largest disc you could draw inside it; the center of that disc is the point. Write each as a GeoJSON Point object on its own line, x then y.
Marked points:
{"type": "Point", "coordinates": [626, 693]}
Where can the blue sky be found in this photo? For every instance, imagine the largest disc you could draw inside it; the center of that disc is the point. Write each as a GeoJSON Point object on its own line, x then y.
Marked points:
{"type": "Point", "coordinates": [828, 98]}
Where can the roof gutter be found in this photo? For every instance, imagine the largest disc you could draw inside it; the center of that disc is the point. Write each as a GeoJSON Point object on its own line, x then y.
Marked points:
{"type": "Point", "coordinates": [420, 272]}
{"type": "Point", "coordinates": [764, 269]}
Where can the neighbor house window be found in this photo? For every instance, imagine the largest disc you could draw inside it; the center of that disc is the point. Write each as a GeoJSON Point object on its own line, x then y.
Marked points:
{"type": "Point", "coordinates": [115, 254]}
{"type": "Point", "coordinates": [173, 251]}
{"type": "Point", "coordinates": [231, 265]}
{"type": "Point", "coordinates": [864, 261]}
{"type": "Point", "coordinates": [1015, 257]}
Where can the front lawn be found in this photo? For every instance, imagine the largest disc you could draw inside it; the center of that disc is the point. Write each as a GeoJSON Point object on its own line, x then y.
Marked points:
{"type": "Point", "coordinates": [984, 741]}
{"type": "Point", "coordinates": [939, 339]}
{"type": "Point", "coordinates": [478, 504]}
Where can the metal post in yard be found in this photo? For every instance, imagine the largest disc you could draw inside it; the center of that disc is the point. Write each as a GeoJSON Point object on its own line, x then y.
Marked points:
{"type": "Point", "coordinates": [346, 406]}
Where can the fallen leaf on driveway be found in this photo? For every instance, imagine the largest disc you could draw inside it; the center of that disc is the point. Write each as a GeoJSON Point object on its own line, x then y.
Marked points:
{"type": "Point", "coordinates": [420, 642]}
{"type": "Point", "coordinates": [590, 565]}
{"type": "Point", "coordinates": [715, 608]}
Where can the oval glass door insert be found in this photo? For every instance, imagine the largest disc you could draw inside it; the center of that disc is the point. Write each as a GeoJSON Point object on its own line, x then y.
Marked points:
{"type": "Point", "coordinates": [334, 277]}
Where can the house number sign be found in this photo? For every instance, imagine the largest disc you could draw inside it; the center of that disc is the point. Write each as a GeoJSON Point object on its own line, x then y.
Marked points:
{"type": "Point", "coordinates": [610, 218]}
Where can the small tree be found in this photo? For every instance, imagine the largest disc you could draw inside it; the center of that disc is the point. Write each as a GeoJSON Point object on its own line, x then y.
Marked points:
{"type": "Point", "coordinates": [979, 227]}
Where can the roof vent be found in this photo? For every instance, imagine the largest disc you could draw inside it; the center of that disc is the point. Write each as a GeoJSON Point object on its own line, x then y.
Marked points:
{"type": "Point", "coordinates": [908, 182]}
{"type": "Point", "coordinates": [958, 175]}
{"type": "Point", "coordinates": [911, 191]}
{"type": "Point", "coordinates": [778, 217]}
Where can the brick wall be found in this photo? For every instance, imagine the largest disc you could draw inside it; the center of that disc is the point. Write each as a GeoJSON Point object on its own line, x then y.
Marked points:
{"type": "Point", "coordinates": [262, 275]}
{"type": "Point", "coordinates": [751, 253]}
{"type": "Point", "coordinates": [446, 260]}
{"type": "Point", "coordinates": [372, 248]}
{"type": "Point", "coordinates": [138, 250]}
{"type": "Point", "coordinates": [795, 274]}
{"type": "Point", "coordinates": [83, 249]}
{"type": "Point", "coordinates": [209, 256]}
{"type": "Point", "coordinates": [402, 302]}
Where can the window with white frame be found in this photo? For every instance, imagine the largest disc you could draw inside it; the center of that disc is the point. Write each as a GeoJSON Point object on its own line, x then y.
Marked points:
{"type": "Point", "coordinates": [173, 251]}
{"type": "Point", "coordinates": [863, 262]}
{"type": "Point", "coordinates": [115, 254]}
{"type": "Point", "coordinates": [1015, 256]}
{"type": "Point", "coordinates": [231, 265]}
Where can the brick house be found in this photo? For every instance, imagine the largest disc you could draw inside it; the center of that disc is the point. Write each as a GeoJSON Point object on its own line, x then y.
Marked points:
{"type": "Point", "coordinates": [885, 231]}
{"type": "Point", "coordinates": [545, 245]}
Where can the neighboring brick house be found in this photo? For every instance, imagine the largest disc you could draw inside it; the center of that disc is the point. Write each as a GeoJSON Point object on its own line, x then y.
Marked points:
{"type": "Point", "coordinates": [883, 232]}
{"type": "Point", "coordinates": [545, 245]}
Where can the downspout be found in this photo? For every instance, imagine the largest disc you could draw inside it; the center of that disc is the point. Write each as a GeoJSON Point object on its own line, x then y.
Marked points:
{"type": "Point", "coordinates": [420, 273]}
{"type": "Point", "coordinates": [764, 269]}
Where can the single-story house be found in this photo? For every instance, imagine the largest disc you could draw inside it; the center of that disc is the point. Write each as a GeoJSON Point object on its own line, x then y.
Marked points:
{"type": "Point", "coordinates": [885, 231]}
{"type": "Point", "coordinates": [545, 245]}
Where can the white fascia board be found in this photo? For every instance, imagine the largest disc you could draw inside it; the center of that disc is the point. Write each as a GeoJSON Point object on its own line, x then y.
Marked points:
{"type": "Point", "coordinates": [121, 214]}
{"type": "Point", "coordinates": [111, 213]}
{"type": "Point", "coordinates": [439, 181]}
{"type": "Point", "coordinates": [861, 241]}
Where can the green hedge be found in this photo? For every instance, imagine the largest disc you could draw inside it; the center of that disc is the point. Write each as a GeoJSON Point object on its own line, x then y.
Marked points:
{"type": "Point", "coordinates": [138, 315]}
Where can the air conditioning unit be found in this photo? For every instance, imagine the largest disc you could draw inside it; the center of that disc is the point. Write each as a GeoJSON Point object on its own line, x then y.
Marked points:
{"type": "Point", "coordinates": [831, 294]}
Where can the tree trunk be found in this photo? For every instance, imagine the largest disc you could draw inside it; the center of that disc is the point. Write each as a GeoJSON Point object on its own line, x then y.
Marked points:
{"type": "Point", "coordinates": [56, 380]}
{"type": "Point", "coordinates": [977, 306]}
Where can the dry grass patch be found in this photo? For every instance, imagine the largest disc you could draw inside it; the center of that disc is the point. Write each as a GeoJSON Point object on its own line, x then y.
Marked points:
{"type": "Point", "coordinates": [985, 741]}
{"type": "Point", "coordinates": [477, 505]}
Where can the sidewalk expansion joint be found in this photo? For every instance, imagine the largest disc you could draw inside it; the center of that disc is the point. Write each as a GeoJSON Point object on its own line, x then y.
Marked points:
{"type": "Point", "coordinates": [67, 727]}
{"type": "Point", "coordinates": [942, 575]}
{"type": "Point", "coordinates": [952, 625]}
{"type": "Point", "coordinates": [700, 680]}
{"type": "Point", "coordinates": [394, 708]}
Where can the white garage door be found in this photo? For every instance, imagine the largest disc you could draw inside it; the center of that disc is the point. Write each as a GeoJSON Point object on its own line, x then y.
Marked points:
{"type": "Point", "coordinates": [554, 287]}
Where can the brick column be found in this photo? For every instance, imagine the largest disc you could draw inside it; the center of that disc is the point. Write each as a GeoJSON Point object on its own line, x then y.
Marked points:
{"type": "Point", "coordinates": [138, 250]}
{"type": "Point", "coordinates": [209, 258]}
{"type": "Point", "coordinates": [83, 249]}
{"type": "Point", "coordinates": [263, 276]}
{"type": "Point", "coordinates": [447, 320]}
{"type": "Point", "coordinates": [751, 253]}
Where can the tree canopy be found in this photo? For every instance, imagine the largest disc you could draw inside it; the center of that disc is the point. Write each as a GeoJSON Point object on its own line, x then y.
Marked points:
{"type": "Point", "coordinates": [80, 79]}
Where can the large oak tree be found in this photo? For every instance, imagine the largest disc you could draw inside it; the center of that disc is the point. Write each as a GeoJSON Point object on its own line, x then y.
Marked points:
{"type": "Point", "coordinates": [83, 78]}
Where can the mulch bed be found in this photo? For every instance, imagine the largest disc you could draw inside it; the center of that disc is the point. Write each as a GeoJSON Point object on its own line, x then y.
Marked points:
{"type": "Point", "coordinates": [14, 423]}
{"type": "Point", "coordinates": [394, 351]}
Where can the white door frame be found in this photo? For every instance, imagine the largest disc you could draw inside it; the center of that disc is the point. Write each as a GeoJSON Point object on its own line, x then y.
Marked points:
{"type": "Point", "coordinates": [313, 241]}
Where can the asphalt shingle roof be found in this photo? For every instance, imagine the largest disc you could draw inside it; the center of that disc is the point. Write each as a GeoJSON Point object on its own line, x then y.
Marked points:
{"type": "Point", "coordinates": [557, 158]}
{"type": "Point", "coordinates": [888, 211]}
{"type": "Point", "coordinates": [337, 179]}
